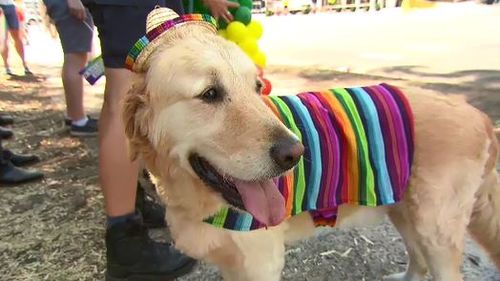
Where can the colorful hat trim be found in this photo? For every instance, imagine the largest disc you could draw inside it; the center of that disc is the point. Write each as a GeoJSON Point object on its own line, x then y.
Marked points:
{"type": "Point", "coordinates": [138, 49]}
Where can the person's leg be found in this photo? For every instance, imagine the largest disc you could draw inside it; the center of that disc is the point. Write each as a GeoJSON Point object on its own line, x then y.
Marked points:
{"type": "Point", "coordinates": [130, 253]}
{"type": "Point", "coordinates": [16, 34]}
{"type": "Point", "coordinates": [76, 41]}
{"type": "Point", "coordinates": [5, 52]}
{"type": "Point", "coordinates": [118, 175]}
{"type": "Point", "coordinates": [73, 84]}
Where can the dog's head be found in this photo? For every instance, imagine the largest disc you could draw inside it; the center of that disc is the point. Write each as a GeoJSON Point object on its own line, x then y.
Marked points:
{"type": "Point", "coordinates": [199, 104]}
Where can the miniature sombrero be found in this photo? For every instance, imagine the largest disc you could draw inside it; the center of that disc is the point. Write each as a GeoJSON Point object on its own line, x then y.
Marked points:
{"type": "Point", "coordinates": [160, 26]}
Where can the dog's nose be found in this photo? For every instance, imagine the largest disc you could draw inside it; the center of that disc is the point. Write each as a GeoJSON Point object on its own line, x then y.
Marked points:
{"type": "Point", "coordinates": [286, 152]}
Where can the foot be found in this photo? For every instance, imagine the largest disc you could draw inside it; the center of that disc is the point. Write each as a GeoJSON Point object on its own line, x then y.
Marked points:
{"type": "Point", "coordinates": [5, 133]}
{"type": "Point", "coordinates": [19, 159]}
{"type": "Point", "coordinates": [27, 72]}
{"type": "Point", "coordinates": [8, 71]}
{"type": "Point", "coordinates": [10, 174]}
{"type": "Point", "coordinates": [67, 121]}
{"type": "Point", "coordinates": [132, 255]}
{"type": "Point", "coordinates": [87, 130]}
{"type": "Point", "coordinates": [6, 120]}
{"type": "Point", "coordinates": [153, 212]}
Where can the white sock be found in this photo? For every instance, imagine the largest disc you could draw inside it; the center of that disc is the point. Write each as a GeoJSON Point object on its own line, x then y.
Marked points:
{"type": "Point", "coordinates": [80, 123]}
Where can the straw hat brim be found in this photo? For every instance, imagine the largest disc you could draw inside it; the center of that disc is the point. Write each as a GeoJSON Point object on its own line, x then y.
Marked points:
{"type": "Point", "coordinates": [138, 57]}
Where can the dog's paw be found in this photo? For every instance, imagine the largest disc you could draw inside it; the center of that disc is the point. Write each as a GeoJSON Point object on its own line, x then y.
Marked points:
{"type": "Point", "coordinates": [402, 276]}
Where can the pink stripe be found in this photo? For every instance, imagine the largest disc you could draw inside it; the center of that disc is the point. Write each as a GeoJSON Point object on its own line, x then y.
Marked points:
{"type": "Point", "coordinates": [332, 159]}
{"type": "Point", "coordinates": [400, 135]}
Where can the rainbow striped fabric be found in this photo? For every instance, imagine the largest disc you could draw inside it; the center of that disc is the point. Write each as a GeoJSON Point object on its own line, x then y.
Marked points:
{"type": "Point", "coordinates": [359, 150]}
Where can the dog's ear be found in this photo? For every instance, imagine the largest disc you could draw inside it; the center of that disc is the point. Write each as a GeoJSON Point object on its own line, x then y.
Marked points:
{"type": "Point", "coordinates": [135, 115]}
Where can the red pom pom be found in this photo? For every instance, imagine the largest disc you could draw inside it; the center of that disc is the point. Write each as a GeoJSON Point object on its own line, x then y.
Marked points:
{"type": "Point", "coordinates": [267, 87]}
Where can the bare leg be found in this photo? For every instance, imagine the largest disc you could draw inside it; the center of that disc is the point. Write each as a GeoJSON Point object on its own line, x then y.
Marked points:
{"type": "Point", "coordinates": [18, 43]}
{"type": "Point", "coordinates": [5, 51]}
{"type": "Point", "coordinates": [73, 84]}
{"type": "Point", "coordinates": [118, 175]}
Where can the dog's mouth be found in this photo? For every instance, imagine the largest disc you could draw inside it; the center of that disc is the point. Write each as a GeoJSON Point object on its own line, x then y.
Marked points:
{"type": "Point", "coordinates": [261, 198]}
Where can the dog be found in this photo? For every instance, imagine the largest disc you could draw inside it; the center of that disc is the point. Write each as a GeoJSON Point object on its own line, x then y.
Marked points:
{"type": "Point", "coordinates": [196, 103]}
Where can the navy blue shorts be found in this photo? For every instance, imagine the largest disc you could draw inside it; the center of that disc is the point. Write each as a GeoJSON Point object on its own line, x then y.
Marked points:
{"type": "Point", "coordinates": [121, 26]}
{"type": "Point", "coordinates": [10, 16]}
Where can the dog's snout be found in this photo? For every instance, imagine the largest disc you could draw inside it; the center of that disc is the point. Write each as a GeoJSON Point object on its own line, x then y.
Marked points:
{"type": "Point", "coordinates": [286, 152]}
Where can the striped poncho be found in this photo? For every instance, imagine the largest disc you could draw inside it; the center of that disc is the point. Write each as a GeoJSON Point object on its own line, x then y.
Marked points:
{"type": "Point", "coordinates": [359, 146]}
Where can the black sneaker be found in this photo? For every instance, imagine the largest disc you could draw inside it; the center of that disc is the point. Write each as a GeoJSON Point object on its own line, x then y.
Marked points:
{"type": "Point", "coordinates": [5, 133]}
{"type": "Point", "coordinates": [153, 211]}
{"type": "Point", "coordinates": [133, 256]}
{"type": "Point", "coordinates": [6, 120]}
{"type": "Point", "coordinates": [87, 130]}
{"type": "Point", "coordinates": [11, 175]}
{"type": "Point", "coordinates": [19, 159]}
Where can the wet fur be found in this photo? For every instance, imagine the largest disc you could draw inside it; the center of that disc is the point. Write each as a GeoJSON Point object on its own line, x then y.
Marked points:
{"type": "Point", "coordinates": [454, 180]}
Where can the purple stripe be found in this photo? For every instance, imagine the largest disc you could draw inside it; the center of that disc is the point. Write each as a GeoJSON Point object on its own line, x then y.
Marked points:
{"type": "Point", "coordinates": [305, 97]}
{"type": "Point", "coordinates": [341, 184]}
{"type": "Point", "coordinates": [400, 135]}
{"type": "Point", "coordinates": [388, 141]}
{"type": "Point", "coordinates": [407, 118]}
{"type": "Point", "coordinates": [321, 114]}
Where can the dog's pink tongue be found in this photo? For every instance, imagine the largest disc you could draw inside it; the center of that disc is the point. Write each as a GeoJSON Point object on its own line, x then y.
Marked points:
{"type": "Point", "coordinates": [263, 200]}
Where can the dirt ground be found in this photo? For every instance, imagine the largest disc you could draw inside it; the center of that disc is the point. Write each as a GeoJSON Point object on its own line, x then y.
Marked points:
{"type": "Point", "coordinates": [53, 230]}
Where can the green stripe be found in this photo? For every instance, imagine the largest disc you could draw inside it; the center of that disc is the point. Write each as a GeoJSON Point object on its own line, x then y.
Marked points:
{"type": "Point", "coordinates": [366, 177]}
{"type": "Point", "coordinates": [220, 217]}
{"type": "Point", "coordinates": [299, 173]}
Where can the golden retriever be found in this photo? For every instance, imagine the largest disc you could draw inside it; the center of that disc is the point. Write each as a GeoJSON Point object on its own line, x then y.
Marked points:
{"type": "Point", "coordinates": [199, 98]}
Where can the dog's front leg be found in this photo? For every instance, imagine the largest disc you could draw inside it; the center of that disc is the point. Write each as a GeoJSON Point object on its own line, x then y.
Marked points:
{"type": "Point", "coordinates": [263, 256]}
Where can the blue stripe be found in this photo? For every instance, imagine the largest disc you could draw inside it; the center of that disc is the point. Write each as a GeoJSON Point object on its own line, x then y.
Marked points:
{"type": "Point", "coordinates": [314, 181]}
{"type": "Point", "coordinates": [239, 221]}
{"type": "Point", "coordinates": [376, 147]}
{"type": "Point", "coordinates": [246, 222]}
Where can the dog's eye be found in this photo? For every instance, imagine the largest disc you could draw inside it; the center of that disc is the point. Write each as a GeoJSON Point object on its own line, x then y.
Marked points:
{"type": "Point", "coordinates": [258, 87]}
{"type": "Point", "coordinates": [211, 95]}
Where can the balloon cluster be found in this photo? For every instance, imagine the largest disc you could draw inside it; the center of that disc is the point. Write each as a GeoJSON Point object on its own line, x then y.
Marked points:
{"type": "Point", "coordinates": [243, 31]}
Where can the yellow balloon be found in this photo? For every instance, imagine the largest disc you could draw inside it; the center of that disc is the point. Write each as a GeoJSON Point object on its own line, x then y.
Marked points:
{"type": "Point", "coordinates": [236, 31]}
{"type": "Point", "coordinates": [222, 33]}
{"type": "Point", "coordinates": [255, 29]}
{"type": "Point", "coordinates": [259, 58]}
{"type": "Point", "coordinates": [249, 46]}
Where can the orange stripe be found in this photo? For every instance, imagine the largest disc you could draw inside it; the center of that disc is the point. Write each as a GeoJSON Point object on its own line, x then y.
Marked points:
{"type": "Point", "coordinates": [289, 181]}
{"type": "Point", "coordinates": [352, 146]}
{"type": "Point", "coordinates": [271, 105]}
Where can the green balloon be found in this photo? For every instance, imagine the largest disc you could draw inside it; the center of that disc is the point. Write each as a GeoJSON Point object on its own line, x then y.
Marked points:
{"type": "Point", "coordinates": [243, 15]}
{"type": "Point", "coordinates": [246, 3]}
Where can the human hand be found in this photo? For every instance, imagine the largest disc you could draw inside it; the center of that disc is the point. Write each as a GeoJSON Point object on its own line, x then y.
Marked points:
{"type": "Point", "coordinates": [220, 8]}
{"type": "Point", "coordinates": [77, 9]}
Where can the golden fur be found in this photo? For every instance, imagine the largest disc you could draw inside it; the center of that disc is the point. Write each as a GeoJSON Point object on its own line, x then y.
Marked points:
{"type": "Point", "coordinates": [454, 186]}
